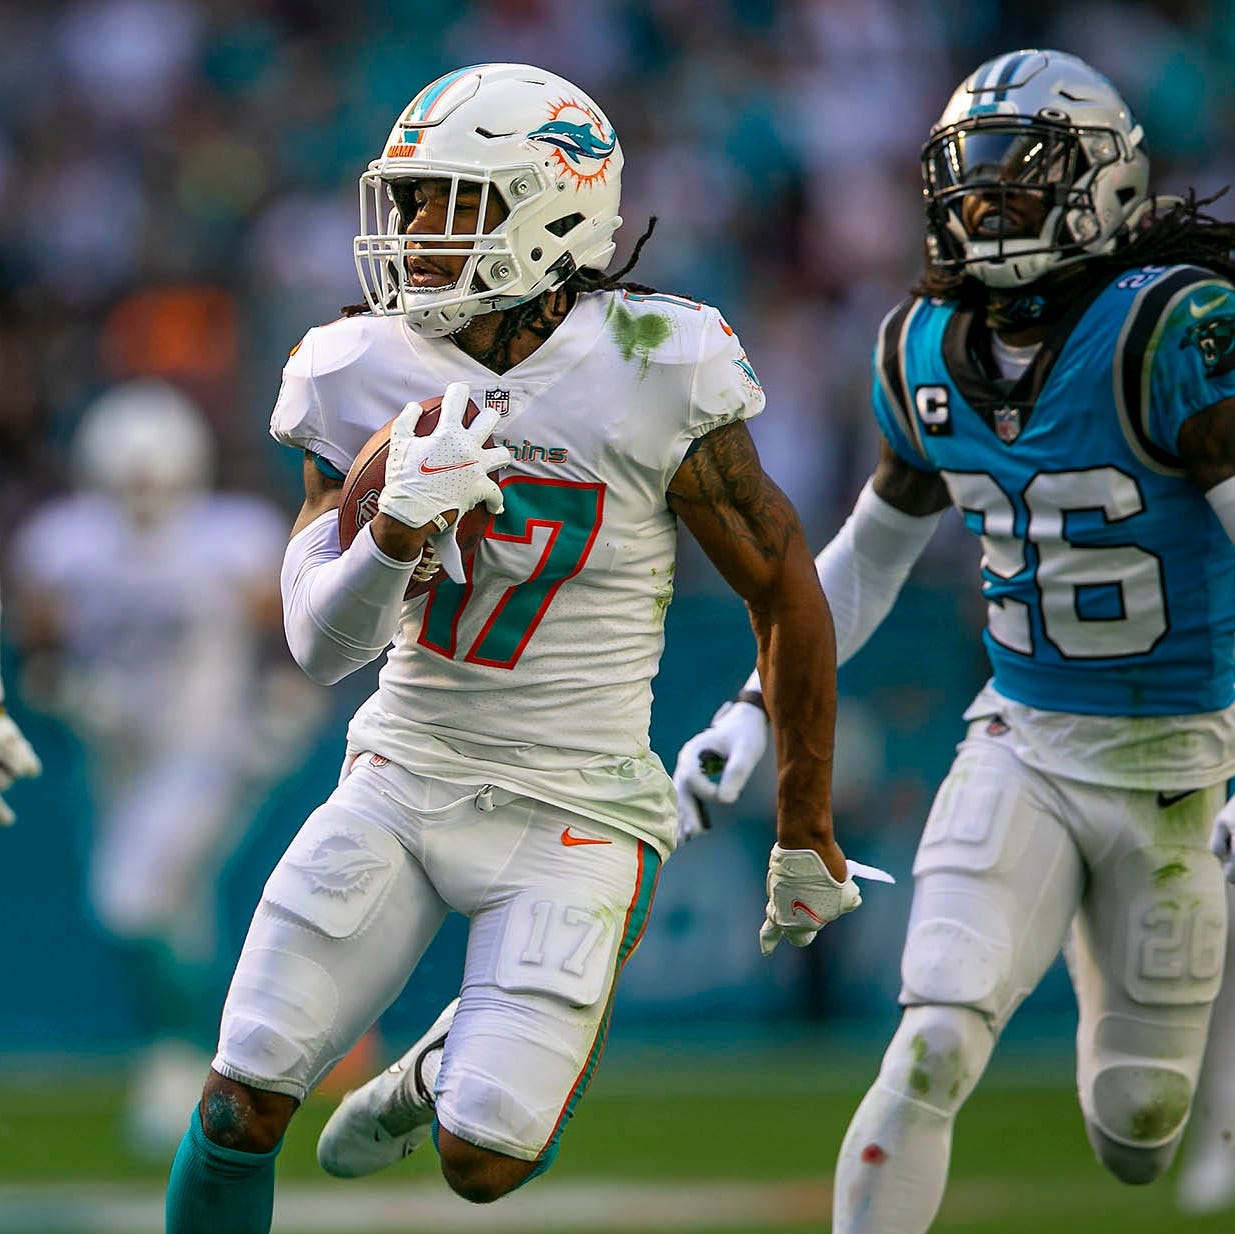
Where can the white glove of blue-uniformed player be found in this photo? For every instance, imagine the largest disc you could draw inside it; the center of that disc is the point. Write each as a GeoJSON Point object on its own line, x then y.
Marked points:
{"type": "Point", "coordinates": [17, 759]}
{"type": "Point", "coordinates": [732, 746]}
{"type": "Point", "coordinates": [802, 898]}
{"type": "Point", "coordinates": [427, 477]}
{"type": "Point", "coordinates": [1222, 840]}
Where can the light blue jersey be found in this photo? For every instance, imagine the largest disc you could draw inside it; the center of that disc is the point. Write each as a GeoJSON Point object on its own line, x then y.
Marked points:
{"type": "Point", "coordinates": [1110, 582]}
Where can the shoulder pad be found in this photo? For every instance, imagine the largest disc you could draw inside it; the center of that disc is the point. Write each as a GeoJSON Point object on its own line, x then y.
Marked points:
{"type": "Point", "coordinates": [1156, 290]}
{"type": "Point", "coordinates": [328, 348]}
{"type": "Point", "coordinates": [890, 362]}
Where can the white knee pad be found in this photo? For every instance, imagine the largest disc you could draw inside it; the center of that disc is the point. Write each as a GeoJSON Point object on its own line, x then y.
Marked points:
{"type": "Point", "coordinates": [937, 1056]}
{"type": "Point", "coordinates": [1136, 1092]}
{"type": "Point", "coordinates": [1140, 1104]}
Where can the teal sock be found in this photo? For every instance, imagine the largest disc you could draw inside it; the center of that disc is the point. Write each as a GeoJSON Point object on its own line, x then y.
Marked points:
{"type": "Point", "coordinates": [213, 1188]}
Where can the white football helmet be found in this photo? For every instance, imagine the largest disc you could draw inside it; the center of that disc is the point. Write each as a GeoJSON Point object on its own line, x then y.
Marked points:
{"type": "Point", "coordinates": [1042, 123]}
{"type": "Point", "coordinates": [530, 137]}
{"type": "Point", "coordinates": [144, 442]}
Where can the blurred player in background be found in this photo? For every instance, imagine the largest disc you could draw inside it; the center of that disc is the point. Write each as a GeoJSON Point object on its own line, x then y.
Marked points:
{"type": "Point", "coordinates": [1065, 376]}
{"type": "Point", "coordinates": [18, 761]}
{"type": "Point", "coordinates": [149, 619]}
{"type": "Point", "coordinates": [503, 768]}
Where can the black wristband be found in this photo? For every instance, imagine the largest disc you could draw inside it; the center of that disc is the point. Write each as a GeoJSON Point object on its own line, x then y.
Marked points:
{"type": "Point", "coordinates": [754, 697]}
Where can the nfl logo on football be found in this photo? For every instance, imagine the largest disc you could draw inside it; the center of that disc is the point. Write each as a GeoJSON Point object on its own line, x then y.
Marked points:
{"type": "Point", "coordinates": [498, 400]}
{"type": "Point", "coordinates": [1007, 423]}
{"type": "Point", "coordinates": [367, 507]}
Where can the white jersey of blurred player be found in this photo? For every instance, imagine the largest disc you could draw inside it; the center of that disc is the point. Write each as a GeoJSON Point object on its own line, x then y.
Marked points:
{"type": "Point", "coordinates": [151, 598]}
{"type": "Point", "coordinates": [150, 587]}
{"type": "Point", "coordinates": [467, 689]}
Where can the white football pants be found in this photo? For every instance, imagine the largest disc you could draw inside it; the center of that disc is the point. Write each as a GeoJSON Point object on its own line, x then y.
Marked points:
{"type": "Point", "coordinates": [1010, 862]}
{"type": "Point", "coordinates": [556, 905]}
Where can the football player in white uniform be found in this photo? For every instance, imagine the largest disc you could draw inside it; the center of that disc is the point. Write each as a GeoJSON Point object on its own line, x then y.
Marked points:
{"type": "Point", "coordinates": [158, 658]}
{"type": "Point", "coordinates": [502, 769]}
{"type": "Point", "coordinates": [18, 761]}
{"type": "Point", "coordinates": [1065, 376]}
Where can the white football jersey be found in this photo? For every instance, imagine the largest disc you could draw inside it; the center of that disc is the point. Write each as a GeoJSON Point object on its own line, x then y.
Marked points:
{"type": "Point", "coordinates": [157, 622]}
{"type": "Point", "coordinates": [536, 675]}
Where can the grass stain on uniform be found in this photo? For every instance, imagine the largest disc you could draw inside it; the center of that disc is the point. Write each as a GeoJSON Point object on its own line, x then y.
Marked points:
{"type": "Point", "coordinates": [662, 597]}
{"type": "Point", "coordinates": [1187, 819]}
{"type": "Point", "coordinates": [1171, 870]}
{"type": "Point", "coordinates": [947, 1069]}
{"type": "Point", "coordinates": [637, 337]}
{"type": "Point", "coordinates": [1164, 1113]}
{"type": "Point", "coordinates": [919, 1076]}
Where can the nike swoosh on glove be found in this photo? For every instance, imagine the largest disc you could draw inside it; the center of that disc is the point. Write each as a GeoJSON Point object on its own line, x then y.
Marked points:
{"type": "Point", "coordinates": [1222, 839]}
{"type": "Point", "coordinates": [17, 761]}
{"type": "Point", "coordinates": [802, 898]}
{"type": "Point", "coordinates": [427, 477]}
{"type": "Point", "coordinates": [737, 737]}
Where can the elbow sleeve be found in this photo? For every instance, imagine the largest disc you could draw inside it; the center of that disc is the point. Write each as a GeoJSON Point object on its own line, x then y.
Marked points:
{"type": "Point", "coordinates": [340, 610]}
{"type": "Point", "coordinates": [1221, 499]}
{"type": "Point", "coordinates": [865, 565]}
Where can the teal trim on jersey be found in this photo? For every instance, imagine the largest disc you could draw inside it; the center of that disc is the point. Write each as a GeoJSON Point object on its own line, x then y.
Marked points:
{"type": "Point", "coordinates": [327, 468]}
{"type": "Point", "coordinates": [1110, 581]}
{"type": "Point", "coordinates": [636, 921]}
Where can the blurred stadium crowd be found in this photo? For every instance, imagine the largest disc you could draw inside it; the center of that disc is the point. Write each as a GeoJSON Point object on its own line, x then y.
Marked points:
{"type": "Point", "coordinates": [177, 181]}
{"type": "Point", "coordinates": [178, 200]}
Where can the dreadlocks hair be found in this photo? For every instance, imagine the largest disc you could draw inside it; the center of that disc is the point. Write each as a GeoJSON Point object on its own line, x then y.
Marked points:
{"type": "Point", "coordinates": [530, 315]}
{"type": "Point", "coordinates": [1182, 235]}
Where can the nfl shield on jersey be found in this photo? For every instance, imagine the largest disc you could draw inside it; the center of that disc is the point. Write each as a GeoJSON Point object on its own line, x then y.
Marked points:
{"type": "Point", "coordinates": [1007, 423]}
{"type": "Point", "coordinates": [1100, 553]}
{"type": "Point", "coordinates": [536, 674]}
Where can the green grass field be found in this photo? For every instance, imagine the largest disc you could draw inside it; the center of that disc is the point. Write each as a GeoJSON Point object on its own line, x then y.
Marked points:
{"type": "Point", "coordinates": [660, 1143]}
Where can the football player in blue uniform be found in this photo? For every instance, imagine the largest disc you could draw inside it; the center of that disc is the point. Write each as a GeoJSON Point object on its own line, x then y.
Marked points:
{"type": "Point", "coordinates": [1064, 375]}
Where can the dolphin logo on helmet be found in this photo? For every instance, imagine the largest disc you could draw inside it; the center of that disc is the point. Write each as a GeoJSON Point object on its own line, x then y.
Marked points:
{"type": "Point", "coordinates": [509, 134]}
{"type": "Point", "coordinates": [576, 141]}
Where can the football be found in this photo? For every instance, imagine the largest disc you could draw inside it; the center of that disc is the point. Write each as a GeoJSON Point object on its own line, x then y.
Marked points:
{"type": "Point", "coordinates": [367, 475]}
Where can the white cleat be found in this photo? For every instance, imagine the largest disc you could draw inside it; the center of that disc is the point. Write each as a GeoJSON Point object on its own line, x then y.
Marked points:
{"type": "Point", "coordinates": [388, 1118]}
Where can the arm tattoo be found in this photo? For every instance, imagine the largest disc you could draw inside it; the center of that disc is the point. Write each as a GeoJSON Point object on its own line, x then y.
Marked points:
{"type": "Point", "coordinates": [723, 476]}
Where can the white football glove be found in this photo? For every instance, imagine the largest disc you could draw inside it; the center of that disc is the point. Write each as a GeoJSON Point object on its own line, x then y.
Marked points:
{"type": "Point", "coordinates": [1222, 841]}
{"type": "Point", "coordinates": [17, 761]}
{"type": "Point", "coordinates": [448, 470]}
{"type": "Point", "coordinates": [802, 898]}
{"type": "Point", "coordinates": [733, 745]}
{"type": "Point", "coordinates": [446, 554]}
